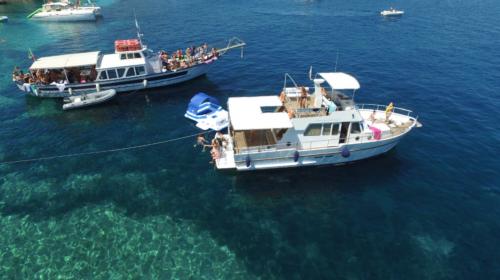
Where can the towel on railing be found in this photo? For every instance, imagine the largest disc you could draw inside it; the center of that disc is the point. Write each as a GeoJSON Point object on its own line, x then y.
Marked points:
{"type": "Point", "coordinates": [377, 133]}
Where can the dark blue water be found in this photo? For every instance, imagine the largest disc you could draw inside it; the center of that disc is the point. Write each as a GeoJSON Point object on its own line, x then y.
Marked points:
{"type": "Point", "coordinates": [429, 209]}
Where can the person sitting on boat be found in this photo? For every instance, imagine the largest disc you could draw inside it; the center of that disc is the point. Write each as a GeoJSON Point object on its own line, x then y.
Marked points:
{"type": "Point", "coordinates": [183, 64]}
{"type": "Point", "coordinates": [372, 117]}
{"type": "Point", "coordinates": [388, 111]}
{"type": "Point", "coordinates": [324, 92]}
{"type": "Point", "coordinates": [215, 152]}
{"type": "Point", "coordinates": [214, 53]}
{"type": "Point", "coordinates": [303, 97]}
{"type": "Point", "coordinates": [283, 97]}
{"type": "Point", "coordinates": [221, 139]}
{"type": "Point", "coordinates": [15, 73]}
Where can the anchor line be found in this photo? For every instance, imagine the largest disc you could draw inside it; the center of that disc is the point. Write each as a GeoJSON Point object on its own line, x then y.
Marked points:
{"type": "Point", "coordinates": [102, 151]}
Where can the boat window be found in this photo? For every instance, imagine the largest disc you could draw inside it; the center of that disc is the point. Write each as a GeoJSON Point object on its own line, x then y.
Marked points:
{"type": "Point", "coordinates": [327, 129]}
{"type": "Point", "coordinates": [123, 56]}
{"type": "Point", "coordinates": [103, 76]}
{"type": "Point", "coordinates": [271, 109]}
{"type": "Point", "coordinates": [130, 55]}
{"type": "Point", "coordinates": [140, 70]}
{"type": "Point", "coordinates": [355, 128]}
{"type": "Point", "coordinates": [313, 129]}
{"type": "Point", "coordinates": [335, 129]}
{"type": "Point", "coordinates": [130, 72]}
{"type": "Point", "coordinates": [112, 74]}
{"type": "Point", "coordinates": [137, 55]}
{"type": "Point", "coordinates": [120, 72]}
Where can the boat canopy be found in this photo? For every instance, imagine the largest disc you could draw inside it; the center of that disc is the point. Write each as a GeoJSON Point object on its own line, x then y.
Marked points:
{"type": "Point", "coordinates": [340, 81]}
{"type": "Point", "coordinates": [198, 100]}
{"type": "Point", "coordinates": [66, 61]}
{"type": "Point", "coordinates": [248, 113]}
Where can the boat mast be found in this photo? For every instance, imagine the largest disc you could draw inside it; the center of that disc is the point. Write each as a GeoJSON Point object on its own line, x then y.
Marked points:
{"type": "Point", "coordinates": [139, 34]}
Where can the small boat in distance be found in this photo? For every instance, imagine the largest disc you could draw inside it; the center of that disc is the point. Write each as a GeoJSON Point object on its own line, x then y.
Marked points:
{"type": "Point", "coordinates": [4, 18]}
{"type": "Point", "coordinates": [308, 127]}
{"type": "Point", "coordinates": [206, 111]}
{"type": "Point", "coordinates": [392, 12]}
{"type": "Point", "coordinates": [65, 11]}
{"type": "Point", "coordinates": [88, 99]}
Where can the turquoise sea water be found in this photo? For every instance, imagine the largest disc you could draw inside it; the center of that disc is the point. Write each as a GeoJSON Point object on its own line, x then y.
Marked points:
{"type": "Point", "coordinates": [429, 209]}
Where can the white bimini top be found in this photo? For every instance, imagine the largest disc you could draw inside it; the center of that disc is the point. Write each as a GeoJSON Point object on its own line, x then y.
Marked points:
{"type": "Point", "coordinates": [66, 61]}
{"type": "Point", "coordinates": [340, 81]}
{"type": "Point", "coordinates": [246, 113]}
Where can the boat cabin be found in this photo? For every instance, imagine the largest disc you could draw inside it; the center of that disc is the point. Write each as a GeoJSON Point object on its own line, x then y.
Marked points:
{"type": "Point", "coordinates": [327, 117]}
{"type": "Point", "coordinates": [56, 6]}
{"type": "Point", "coordinates": [128, 61]}
{"type": "Point", "coordinates": [72, 68]}
{"type": "Point", "coordinates": [257, 122]}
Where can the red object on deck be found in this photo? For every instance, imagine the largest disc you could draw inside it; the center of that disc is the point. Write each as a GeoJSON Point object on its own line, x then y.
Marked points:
{"type": "Point", "coordinates": [127, 45]}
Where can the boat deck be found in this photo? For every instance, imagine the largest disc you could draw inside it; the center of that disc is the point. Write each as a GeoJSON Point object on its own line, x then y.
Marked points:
{"type": "Point", "coordinates": [226, 161]}
{"type": "Point", "coordinates": [253, 138]}
{"type": "Point", "coordinates": [397, 124]}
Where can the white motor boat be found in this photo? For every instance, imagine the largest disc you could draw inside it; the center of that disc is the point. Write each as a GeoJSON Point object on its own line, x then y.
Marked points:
{"type": "Point", "coordinates": [131, 67]}
{"type": "Point", "coordinates": [392, 12]}
{"type": "Point", "coordinates": [4, 18]}
{"type": "Point", "coordinates": [66, 11]}
{"type": "Point", "coordinates": [89, 99]}
{"type": "Point", "coordinates": [299, 128]}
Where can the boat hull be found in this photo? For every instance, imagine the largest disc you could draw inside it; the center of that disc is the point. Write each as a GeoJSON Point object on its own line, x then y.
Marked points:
{"type": "Point", "coordinates": [84, 15]}
{"type": "Point", "coordinates": [121, 85]}
{"type": "Point", "coordinates": [313, 157]}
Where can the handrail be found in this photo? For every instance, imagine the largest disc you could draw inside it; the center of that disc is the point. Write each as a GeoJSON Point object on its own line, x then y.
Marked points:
{"type": "Point", "coordinates": [232, 43]}
{"type": "Point", "coordinates": [293, 81]}
{"type": "Point", "coordinates": [378, 107]}
{"type": "Point", "coordinates": [308, 145]}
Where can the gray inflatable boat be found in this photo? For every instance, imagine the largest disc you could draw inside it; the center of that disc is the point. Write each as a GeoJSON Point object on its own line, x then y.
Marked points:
{"type": "Point", "coordinates": [89, 99]}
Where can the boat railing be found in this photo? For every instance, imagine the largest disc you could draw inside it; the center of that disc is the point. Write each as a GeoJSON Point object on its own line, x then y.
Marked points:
{"type": "Point", "coordinates": [232, 43]}
{"type": "Point", "coordinates": [378, 107]}
{"type": "Point", "coordinates": [309, 145]}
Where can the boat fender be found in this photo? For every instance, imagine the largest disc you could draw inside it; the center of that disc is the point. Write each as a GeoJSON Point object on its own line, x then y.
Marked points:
{"type": "Point", "coordinates": [70, 90]}
{"type": "Point", "coordinates": [296, 156]}
{"type": "Point", "coordinates": [345, 152]}
{"type": "Point", "coordinates": [97, 87]}
{"type": "Point", "coordinates": [145, 83]}
{"type": "Point", "coordinates": [248, 161]}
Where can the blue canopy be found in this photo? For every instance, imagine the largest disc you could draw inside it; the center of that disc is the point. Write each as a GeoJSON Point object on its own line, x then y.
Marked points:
{"type": "Point", "coordinates": [199, 99]}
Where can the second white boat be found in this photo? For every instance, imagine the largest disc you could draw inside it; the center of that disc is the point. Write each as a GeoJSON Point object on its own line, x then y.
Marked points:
{"type": "Point", "coordinates": [303, 128]}
{"type": "Point", "coordinates": [66, 11]}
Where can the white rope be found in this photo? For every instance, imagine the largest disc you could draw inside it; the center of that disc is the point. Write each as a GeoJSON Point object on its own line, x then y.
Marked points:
{"type": "Point", "coordinates": [101, 151]}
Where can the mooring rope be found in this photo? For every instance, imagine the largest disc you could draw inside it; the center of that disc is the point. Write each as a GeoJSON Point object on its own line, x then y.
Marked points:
{"type": "Point", "coordinates": [103, 151]}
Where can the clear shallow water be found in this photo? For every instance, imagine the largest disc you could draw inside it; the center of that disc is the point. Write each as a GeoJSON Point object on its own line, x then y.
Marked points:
{"type": "Point", "coordinates": [427, 210]}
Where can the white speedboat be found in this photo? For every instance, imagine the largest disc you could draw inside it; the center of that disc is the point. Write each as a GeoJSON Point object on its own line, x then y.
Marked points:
{"type": "Point", "coordinates": [392, 12]}
{"type": "Point", "coordinates": [4, 18]}
{"type": "Point", "coordinates": [66, 11]}
{"type": "Point", "coordinates": [88, 99]}
{"type": "Point", "coordinates": [207, 112]}
{"type": "Point", "coordinates": [131, 67]}
{"type": "Point", "coordinates": [303, 128]}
